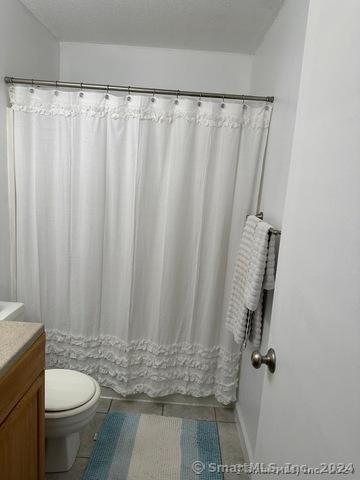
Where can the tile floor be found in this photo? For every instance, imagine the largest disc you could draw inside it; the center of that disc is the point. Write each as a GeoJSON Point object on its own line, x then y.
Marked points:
{"type": "Point", "coordinates": [199, 409]}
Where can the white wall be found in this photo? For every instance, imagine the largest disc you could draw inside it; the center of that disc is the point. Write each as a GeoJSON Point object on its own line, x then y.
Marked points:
{"type": "Point", "coordinates": [155, 67]}
{"type": "Point", "coordinates": [27, 50]}
{"type": "Point", "coordinates": [276, 69]}
{"type": "Point", "coordinates": [310, 410]}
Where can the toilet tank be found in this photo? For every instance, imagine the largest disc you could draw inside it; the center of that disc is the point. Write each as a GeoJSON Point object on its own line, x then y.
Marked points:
{"type": "Point", "coordinates": [12, 311]}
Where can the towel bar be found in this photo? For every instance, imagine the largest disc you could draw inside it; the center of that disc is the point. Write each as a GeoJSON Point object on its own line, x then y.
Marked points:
{"type": "Point", "coordinates": [274, 231]}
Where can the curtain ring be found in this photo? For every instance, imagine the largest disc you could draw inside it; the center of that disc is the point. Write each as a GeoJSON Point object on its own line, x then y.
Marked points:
{"type": "Point", "coordinates": [129, 94]}
{"type": "Point", "coordinates": [223, 101]}
{"type": "Point", "coordinates": [32, 86]}
{"type": "Point", "coordinates": [56, 93]}
{"type": "Point", "coordinates": [243, 102]}
{"type": "Point", "coordinates": [177, 98]}
{"type": "Point", "coordinates": [81, 94]}
{"type": "Point", "coordinates": [153, 99]}
{"type": "Point", "coordinates": [107, 92]}
{"type": "Point", "coordinates": [199, 102]}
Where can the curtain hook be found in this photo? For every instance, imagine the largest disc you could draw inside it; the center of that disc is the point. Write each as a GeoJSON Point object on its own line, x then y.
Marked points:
{"type": "Point", "coordinates": [128, 98]}
{"type": "Point", "coordinates": [177, 98]}
{"type": "Point", "coordinates": [243, 102]}
{"type": "Point", "coordinates": [32, 86]}
{"type": "Point", "coordinates": [56, 93]}
{"type": "Point", "coordinates": [199, 102]}
{"type": "Point", "coordinates": [223, 101]}
{"type": "Point", "coordinates": [153, 99]}
{"type": "Point", "coordinates": [107, 92]}
{"type": "Point", "coordinates": [81, 94]}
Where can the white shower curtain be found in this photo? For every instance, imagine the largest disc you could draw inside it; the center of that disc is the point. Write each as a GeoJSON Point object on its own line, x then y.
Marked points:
{"type": "Point", "coordinates": [127, 220]}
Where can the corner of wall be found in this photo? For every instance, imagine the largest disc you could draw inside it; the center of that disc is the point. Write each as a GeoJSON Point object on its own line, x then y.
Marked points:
{"type": "Point", "coordinates": [30, 50]}
{"type": "Point", "coordinates": [277, 67]}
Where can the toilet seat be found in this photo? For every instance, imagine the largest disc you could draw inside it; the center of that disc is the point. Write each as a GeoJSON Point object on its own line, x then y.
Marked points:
{"type": "Point", "coordinates": [67, 390]}
{"type": "Point", "coordinates": [70, 404]}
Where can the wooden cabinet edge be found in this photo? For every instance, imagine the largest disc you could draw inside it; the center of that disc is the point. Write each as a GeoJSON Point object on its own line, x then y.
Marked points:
{"type": "Point", "coordinates": [19, 378]}
{"type": "Point", "coordinates": [24, 381]}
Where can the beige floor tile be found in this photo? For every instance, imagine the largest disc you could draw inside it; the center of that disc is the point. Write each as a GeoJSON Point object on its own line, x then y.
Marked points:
{"type": "Point", "coordinates": [231, 452]}
{"type": "Point", "coordinates": [87, 435]}
{"type": "Point", "coordinates": [189, 411]}
{"type": "Point", "coordinates": [136, 407]}
{"type": "Point", "coordinates": [104, 405]}
{"type": "Point", "coordinates": [187, 400]}
{"type": "Point", "coordinates": [224, 414]}
{"type": "Point", "coordinates": [75, 473]}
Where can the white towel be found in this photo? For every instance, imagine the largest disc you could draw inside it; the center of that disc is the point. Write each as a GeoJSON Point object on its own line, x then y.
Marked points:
{"type": "Point", "coordinates": [254, 272]}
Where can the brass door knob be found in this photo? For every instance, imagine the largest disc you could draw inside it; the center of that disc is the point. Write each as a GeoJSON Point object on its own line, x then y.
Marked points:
{"type": "Point", "coordinates": [269, 359]}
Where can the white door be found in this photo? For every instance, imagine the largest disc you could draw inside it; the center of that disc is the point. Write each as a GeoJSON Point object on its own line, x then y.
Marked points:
{"type": "Point", "coordinates": [310, 408]}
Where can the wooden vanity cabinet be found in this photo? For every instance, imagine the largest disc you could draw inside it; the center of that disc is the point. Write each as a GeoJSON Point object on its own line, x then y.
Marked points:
{"type": "Point", "coordinates": [22, 416]}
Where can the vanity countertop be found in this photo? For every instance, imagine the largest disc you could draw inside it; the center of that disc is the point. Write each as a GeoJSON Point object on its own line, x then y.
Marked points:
{"type": "Point", "coordinates": [15, 339]}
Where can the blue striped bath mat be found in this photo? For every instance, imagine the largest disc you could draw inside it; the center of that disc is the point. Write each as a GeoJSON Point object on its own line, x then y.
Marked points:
{"type": "Point", "coordinates": [150, 447]}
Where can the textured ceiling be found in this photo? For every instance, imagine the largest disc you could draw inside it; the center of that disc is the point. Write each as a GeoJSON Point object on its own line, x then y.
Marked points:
{"type": "Point", "coordinates": [219, 25]}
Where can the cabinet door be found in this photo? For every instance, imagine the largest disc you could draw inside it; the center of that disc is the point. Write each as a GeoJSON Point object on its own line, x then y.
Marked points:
{"type": "Point", "coordinates": [22, 437]}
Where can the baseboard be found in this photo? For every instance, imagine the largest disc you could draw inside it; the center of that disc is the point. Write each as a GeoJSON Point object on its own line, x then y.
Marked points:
{"type": "Point", "coordinates": [243, 435]}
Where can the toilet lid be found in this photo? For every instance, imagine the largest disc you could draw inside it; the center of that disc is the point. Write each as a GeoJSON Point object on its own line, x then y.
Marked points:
{"type": "Point", "coordinates": [67, 389]}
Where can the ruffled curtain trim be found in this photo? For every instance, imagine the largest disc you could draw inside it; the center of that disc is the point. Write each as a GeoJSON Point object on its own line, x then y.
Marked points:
{"type": "Point", "coordinates": [210, 114]}
{"type": "Point", "coordinates": [146, 367]}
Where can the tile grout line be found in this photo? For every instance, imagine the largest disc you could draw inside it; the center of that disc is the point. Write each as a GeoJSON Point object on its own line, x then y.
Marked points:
{"type": "Point", "coordinates": [157, 400]}
{"type": "Point", "coordinates": [163, 405]}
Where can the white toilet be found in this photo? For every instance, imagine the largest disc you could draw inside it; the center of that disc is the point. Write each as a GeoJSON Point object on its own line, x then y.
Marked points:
{"type": "Point", "coordinates": [71, 400]}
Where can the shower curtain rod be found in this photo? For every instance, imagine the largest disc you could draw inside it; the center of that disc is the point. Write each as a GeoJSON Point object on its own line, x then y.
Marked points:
{"type": "Point", "coordinates": [130, 89]}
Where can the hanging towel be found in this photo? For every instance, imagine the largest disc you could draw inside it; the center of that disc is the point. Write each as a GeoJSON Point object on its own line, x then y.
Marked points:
{"type": "Point", "coordinates": [254, 272]}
